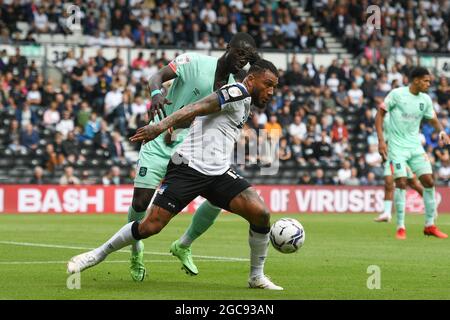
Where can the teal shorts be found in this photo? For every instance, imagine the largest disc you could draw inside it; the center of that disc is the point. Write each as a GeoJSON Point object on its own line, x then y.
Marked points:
{"type": "Point", "coordinates": [151, 168]}
{"type": "Point", "coordinates": [389, 170]}
{"type": "Point", "coordinates": [416, 159]}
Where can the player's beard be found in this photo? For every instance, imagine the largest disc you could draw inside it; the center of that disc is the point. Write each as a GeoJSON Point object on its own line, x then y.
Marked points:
{"type": "Point", "coordinates": [256, 99]}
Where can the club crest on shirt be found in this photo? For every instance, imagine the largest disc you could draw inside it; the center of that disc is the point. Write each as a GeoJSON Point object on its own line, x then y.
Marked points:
{"type": "Point", "coordinates": [421, 106]}
{"type": "Point", "coordinates": [142, 171]}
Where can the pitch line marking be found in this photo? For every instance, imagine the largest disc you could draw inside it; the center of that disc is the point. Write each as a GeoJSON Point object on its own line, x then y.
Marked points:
{"type": "Point", "coordinates": [44, 245]}
{"type": "Point", "coordinates": [112, 261]}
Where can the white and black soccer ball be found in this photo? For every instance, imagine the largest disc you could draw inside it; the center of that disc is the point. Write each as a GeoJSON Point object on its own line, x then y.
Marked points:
{"type": "Point", "coordinates": [287, 235]}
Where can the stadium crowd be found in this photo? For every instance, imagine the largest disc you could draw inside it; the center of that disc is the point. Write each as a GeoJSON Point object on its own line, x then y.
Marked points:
{"type": "Point", "coordinates": [407, 26]}
{"type": "Point", "coordinates": [325, 113]}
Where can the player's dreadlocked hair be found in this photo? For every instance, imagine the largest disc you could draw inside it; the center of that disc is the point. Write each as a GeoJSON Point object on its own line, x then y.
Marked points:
{"type": "Point", "coordinates": [262, 65]}
{"type": "Point", "coordinates": [247, 44]}
{"type": "Point", "coordinates": [240, 75]}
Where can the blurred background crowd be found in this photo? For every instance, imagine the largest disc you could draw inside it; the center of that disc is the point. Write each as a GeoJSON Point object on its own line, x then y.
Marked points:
{"type": "Point", "coordinates": [75, 131]}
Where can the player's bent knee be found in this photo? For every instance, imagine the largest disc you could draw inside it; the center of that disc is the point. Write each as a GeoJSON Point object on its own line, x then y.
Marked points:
{"type": "Point", "coordinates": [262, 218]}
{"type": "Point", "coordinates": [141, 199]}
{"type": "Point", "coordinates": [401, 183]}
{"type": "Point", "coordinates": [427, 181]}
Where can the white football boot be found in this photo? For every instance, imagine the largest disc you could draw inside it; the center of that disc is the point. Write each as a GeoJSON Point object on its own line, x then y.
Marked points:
{"type": "Point", "coordinates": [383, 217]}
{"type": "Point", "coordinates": [262, 282]}
{"type": "Point", "coordinates": [83, 261]}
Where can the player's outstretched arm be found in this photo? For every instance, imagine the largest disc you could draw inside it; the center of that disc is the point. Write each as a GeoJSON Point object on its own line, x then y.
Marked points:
{"type": "Point", "coordinates": [207, 105]}
{"type": "Point", "coordinates": [154, 86]}
{"type": "Point", "coordinates": [438, 127]}
{"type": "Point", "coordinates": [379, 119]}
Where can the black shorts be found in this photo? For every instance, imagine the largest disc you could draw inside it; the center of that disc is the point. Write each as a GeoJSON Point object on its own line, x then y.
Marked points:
{"type": "Point", "coordinates": [182, 184]}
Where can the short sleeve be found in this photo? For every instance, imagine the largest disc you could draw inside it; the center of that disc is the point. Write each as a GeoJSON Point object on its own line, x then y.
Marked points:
{"type": "Point", "coordinates": [389, 101]}
{"type": "Point", "coordinates": [232, 96]}
{"type": "Point", "coordinates": [429, 110]}
{"type": "Point", "coordinates": [184, 65]}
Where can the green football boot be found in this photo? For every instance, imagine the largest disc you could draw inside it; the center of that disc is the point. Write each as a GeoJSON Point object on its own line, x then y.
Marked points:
{"type": "Point", "coordinates": [185, 256]}
{"type": "Point", "coordinates": [137, 267]}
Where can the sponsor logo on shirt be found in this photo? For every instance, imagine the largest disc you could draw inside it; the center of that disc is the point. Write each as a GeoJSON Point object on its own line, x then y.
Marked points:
{"type": "Point", "coordinates": [235, 92]}
{"type": "Point", "coordinates": [410, 116]}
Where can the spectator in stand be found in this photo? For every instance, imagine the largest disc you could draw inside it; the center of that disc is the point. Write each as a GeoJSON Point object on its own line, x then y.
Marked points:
{"type": "Point", "coordinates": [374, 160]}
{"type": "Point", "coordinates": [30, 137]}
{"type": "Point", "coordinates": [112, 177]}
{"type": "Point", "coordinates": [440, 151]}
{"type": "Point", "coordinates": [89, 82]}
{"type": "Point", "coordinates": [26, 116]}
{"type": "Point", "coordinates": [50, 159]}
{"type": "Point", "coordinates": [131, 176]}
{"type": "Point", "coordinates": [305, 179]}
{"type": "Point", "coordinates": [369, 180]}
{"type": "Point", "coordinates": [313, 129]}
{"type": "Point", "coordinates": [66, 124]}
{"type": "Point", "coordinates": [284, 150]}
{"type": "Point", "coordinates": [342, 149]}
{"type": "Point", "coordinates": [355, 95]}
{"type": "Point", "coordinates": [344, 173]}
{"type": "Point", "coordinates": [285, 117]}
{"type": "Point", "coordinates": [83, 114]}
{"type": "Point", "coordinates": [339, 130]}
{"type": "Point", "coordinates": [320, 179]}
{"type": "Point", "coordinates": [70, 148]}
{"type": "Point", "coordinates": [103, 139]}
{"type": "Point", "coordinates": [38, 176]}
{"type": "Point", "coordinates": [112, 99]}
{"type": "Point", "coordinates": [14, 132]}
{"type": "Point", "coordinates": [15, 146]}
{"type": "Point", "coordinates": [297, 130]}
{"type": "Point", "coordinates": [273, 128]}
{"type": "Point", "coordinates": [68, 178]}
{"type": "Point", "coordinates": [333, 82]}
{"type": "Point", "coordinates": [323, 149]}
{"type": "Point", "coordinates": [315, 101]}
{"type": "Point", "coordinates": [34, 97]}
{"type": "Point", "coordinates": [40, 21]}
{"type": "Point", "coordinates": [353, 180]}
{"type": "Point", "coordinates": [293, 77]}
{"type": "Point", "coordinates": [308, 151]}
{"type": "Point", "coordinates": [367, 123]}
{"type": "Point", "coordinates": [204, 43]}
{"type": "Point", "coordinates": [124, 117]}
{"type": "Point", "coordinates": [51, 116]}
{"type": "Point", "coordinates": [92, 126]}
{"type": "Point", "coordinates": [328, 102]}
{"type": "Point", "coordinates": [117, 149]}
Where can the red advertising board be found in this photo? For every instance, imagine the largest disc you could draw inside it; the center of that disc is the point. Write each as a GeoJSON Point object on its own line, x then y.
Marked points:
{"type": "Point", "coordinates": [279, 198]}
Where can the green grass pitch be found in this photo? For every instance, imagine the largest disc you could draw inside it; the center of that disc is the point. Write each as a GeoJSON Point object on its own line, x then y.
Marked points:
{"type": "Point", "coordinates": [333, 264]}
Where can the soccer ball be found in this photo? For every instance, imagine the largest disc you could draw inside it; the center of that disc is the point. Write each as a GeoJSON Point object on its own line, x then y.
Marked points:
{"type": "Point", "coordinates": [287, 235]}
